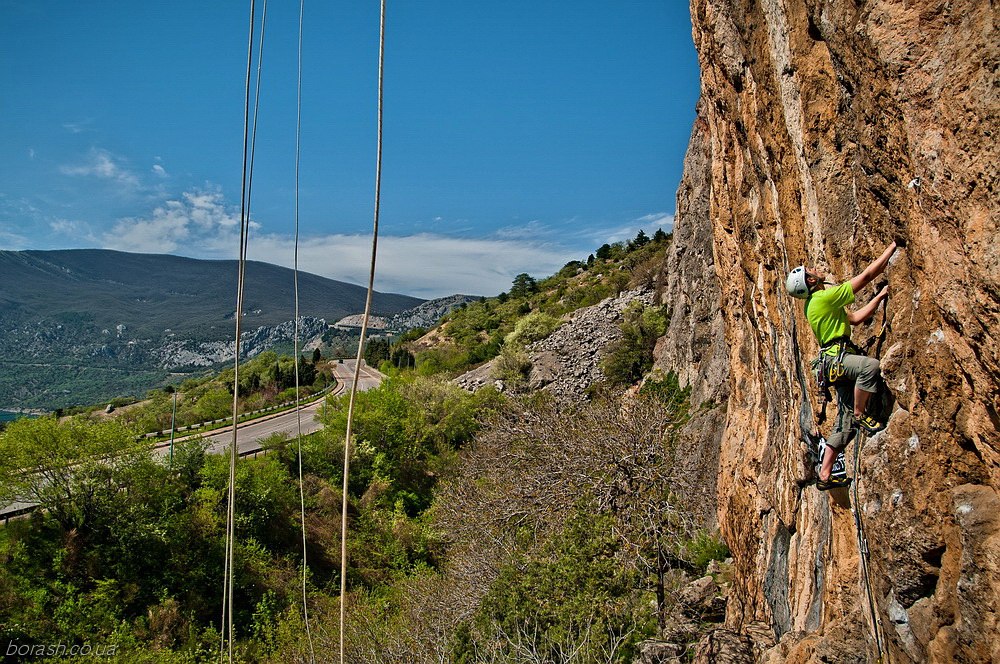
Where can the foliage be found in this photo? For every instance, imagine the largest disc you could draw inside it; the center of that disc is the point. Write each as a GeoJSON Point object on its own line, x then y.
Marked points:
{"type": "Point", "coordinates": [703, 548]}
{"type": "Point", "coordinates": [533, 327]}
{"type": "Point", "coordinates": [565, 528]}
{"type": "Point", "coordinates": [628, 361]}
{"type": "Point", "coordinates": [512, 368]}
{"type": "Point", "coordinates": [62, 466]}
{"type": "Point", "coordinates": [376, 351]}
{"type": "Point", "coordinates": [402, 429]}
{"type": "Point", "coordinates": [478, 332]}
{"type": "Point", "coordinates": [480, 528]}
{"type": "Point", "coordinates": [523, 286]}
{"type": "Point", "coordinates": [572, 595]}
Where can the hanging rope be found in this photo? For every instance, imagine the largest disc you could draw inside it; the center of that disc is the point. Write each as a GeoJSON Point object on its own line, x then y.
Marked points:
{"type": "Point", "coordinates": [361, 340]}
{"type": "Point", "coordinates": [859, 524]}
{"type": "Point", "coordinates": [298, 400]}
{"type": "Point", "coordinates": [249, 142]}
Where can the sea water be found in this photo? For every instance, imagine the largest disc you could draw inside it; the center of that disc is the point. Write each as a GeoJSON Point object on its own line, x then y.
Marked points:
{"type": "Point", "coordinates": [7, 416]}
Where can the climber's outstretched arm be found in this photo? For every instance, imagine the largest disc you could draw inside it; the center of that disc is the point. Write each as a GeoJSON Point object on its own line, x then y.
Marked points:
{"type": "Point", "coordinates": [867, 311]}
{"type": "Point", "coordinates": [873, 270]}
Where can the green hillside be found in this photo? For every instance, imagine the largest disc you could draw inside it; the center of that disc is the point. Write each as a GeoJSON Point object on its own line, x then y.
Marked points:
{"type": "Point", "coordinates": [84, 326]}
{"type": "Point", "coordinates": [153, 293]}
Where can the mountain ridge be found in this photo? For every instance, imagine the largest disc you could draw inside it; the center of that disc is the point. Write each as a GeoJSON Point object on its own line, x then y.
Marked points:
{"type": "Point", "coordinates": [84, 325]}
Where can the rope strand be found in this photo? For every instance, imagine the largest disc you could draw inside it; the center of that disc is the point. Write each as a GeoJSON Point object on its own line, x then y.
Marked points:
{"type": "Point", "coordinates": [364, 329]}
{"type": "Point", "coordinates": [249, 143]}
{"type": "Point", "coordinates": [298, 401]}
{"type": "Point", "coordinates": [863, 552]}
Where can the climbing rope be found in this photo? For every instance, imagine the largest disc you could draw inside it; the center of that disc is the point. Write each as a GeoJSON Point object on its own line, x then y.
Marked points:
{"type": "Point", "coordinates": [876, 623]}
{"type": "Point", "coordinates": [859, 523]}
{"type": "Point", "coordinates": [227, 636]}
{"type": "Point", "coordinates": [364, 329]}
{"type": "Point", "coordinates": [298, 399]}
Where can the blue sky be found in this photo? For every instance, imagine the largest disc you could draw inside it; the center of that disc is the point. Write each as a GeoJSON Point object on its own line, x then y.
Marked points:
{"type": "Point", "coordinates": [518, 135]}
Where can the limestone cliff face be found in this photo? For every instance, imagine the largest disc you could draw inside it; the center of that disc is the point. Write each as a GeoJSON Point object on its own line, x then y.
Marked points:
{"type": "Point", "coordinates": [826, 129]}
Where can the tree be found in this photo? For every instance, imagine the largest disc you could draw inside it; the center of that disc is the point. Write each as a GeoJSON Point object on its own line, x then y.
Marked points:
{"type": "Point", "coordinates": [317, 355]}
{"type": "Point", "coordinates": [640, 240]}
{"type": "Point", "coordinates": [63, 467]}
{"type": "Point", "coordinates": [376, 351]}
{"type": "Point", "coordinates": [523, 286]}
{"type": "Point", "coordinates": [659, 235]}
{"type": "Point", "coordinates": [604, 252]}
{"type": "Point", "coordinates": [307, 371]}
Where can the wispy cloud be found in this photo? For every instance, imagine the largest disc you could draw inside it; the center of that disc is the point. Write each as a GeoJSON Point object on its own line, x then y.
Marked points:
{"type": "Point", "coordinates": [79, 127]}
{"type": "Point", "coordinates": [72, 231]}
{"type": "Point", "coordinates": [103, 165]}
{"type": "Point", "coordinates": [159, 170]}
{"type": "Point", "coordinates": [14, 231]}
{"type": "Point", "coordinates": [424, 264]}
{"type": "Point", "coordinates": [648, 223]}
{"type": "Point", "coordinates": [200, 222]}
{"type": "Point", "coordinates": [11, 241]}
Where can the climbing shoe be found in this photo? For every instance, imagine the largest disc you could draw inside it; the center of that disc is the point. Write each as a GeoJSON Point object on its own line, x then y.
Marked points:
{"type": "Point", "coordinates": [834, 483]}
{"type": "Point", "coordinates": [869, 424]}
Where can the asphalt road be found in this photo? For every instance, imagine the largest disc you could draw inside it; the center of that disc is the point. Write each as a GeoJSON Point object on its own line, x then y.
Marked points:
{"type": "Point", "coordinates": [250, 434]}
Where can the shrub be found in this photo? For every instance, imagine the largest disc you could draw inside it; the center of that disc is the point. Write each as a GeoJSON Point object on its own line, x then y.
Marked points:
{"type": "Point", "coordinates": [533, 327]}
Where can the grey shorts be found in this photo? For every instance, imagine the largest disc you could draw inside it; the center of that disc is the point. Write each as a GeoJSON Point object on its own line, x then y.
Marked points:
{"type": "Point", "coordinates": [865, 372]}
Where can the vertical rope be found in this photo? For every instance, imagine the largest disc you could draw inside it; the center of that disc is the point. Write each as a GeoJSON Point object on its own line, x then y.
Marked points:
{"type": "Point", "coordinates": [249, 141]}
{"type": "Point", "coordinates": [863, 552]}
{"type": "Point", "coordinates": [364, 329]}
{"type": "Point", "coordinates": [298, 400]}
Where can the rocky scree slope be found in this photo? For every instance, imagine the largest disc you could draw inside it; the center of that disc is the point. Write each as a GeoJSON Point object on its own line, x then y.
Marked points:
{"type": "Point", "coordinates": [567, 362]}
{"type": "Point", "coordinates": [824, 131]}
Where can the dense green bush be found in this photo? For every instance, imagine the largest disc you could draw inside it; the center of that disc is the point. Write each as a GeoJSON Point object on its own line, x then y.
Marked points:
{"type": "Point", "coordinates": [632, 357]}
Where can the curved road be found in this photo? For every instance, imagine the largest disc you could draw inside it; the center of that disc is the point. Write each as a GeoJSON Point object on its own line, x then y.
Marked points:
{"type": "Point", "coordinates": [250, 434]}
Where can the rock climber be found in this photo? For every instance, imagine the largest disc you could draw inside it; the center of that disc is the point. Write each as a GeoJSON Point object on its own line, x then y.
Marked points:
{"type": "Point", "coordinates": [840, 360]}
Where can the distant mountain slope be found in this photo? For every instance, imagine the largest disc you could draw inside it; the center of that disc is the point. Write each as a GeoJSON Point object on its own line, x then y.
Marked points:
{"type": "Point", "coordinates": [153, 293]}
{"type": "Point", "coordinates": [80, 326]}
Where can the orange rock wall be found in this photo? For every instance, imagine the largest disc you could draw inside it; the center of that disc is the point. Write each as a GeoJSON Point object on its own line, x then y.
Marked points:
{"type": "Point", "coordinates": [827, 128]}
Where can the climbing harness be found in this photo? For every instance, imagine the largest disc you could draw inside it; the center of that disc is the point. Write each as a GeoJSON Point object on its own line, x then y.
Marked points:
{"type": "Point", "coordinates": [828, 368]}
{"type": "Point", "coordinates": [361, 340]}
{"type": "Point", "coordinates": [876, 622]}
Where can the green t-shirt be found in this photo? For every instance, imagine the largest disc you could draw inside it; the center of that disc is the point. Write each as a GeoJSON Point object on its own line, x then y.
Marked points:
{"type": "Point", "coordinates": [826, 314]}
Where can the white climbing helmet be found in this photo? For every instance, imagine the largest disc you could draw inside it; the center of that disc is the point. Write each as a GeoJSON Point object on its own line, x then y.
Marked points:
{"type": "Point", "coordinates": [796, 284]}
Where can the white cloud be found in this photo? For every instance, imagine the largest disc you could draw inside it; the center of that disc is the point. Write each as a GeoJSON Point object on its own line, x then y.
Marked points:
{"type": "Point", "coordinates": [159, 170]}
{"type": "Point", "coordinates": [70, 230]}
{"type": "Point", "coordinates": [656, 220]}
{"type": "Point", "coordinates": [649, 223]}
{"type": "Point", "coordinates": [424, 265]}
{"type": "Point", "coordinates": [78, 127]}
{"type": "Point", "coordinates": [31, 153]}
{"type": "Point", "coordinates": [103, 165]}
{"type": "Point", "coordinates": [10, 241]}
{"type": "Point", "coordinates": [199, 222]}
